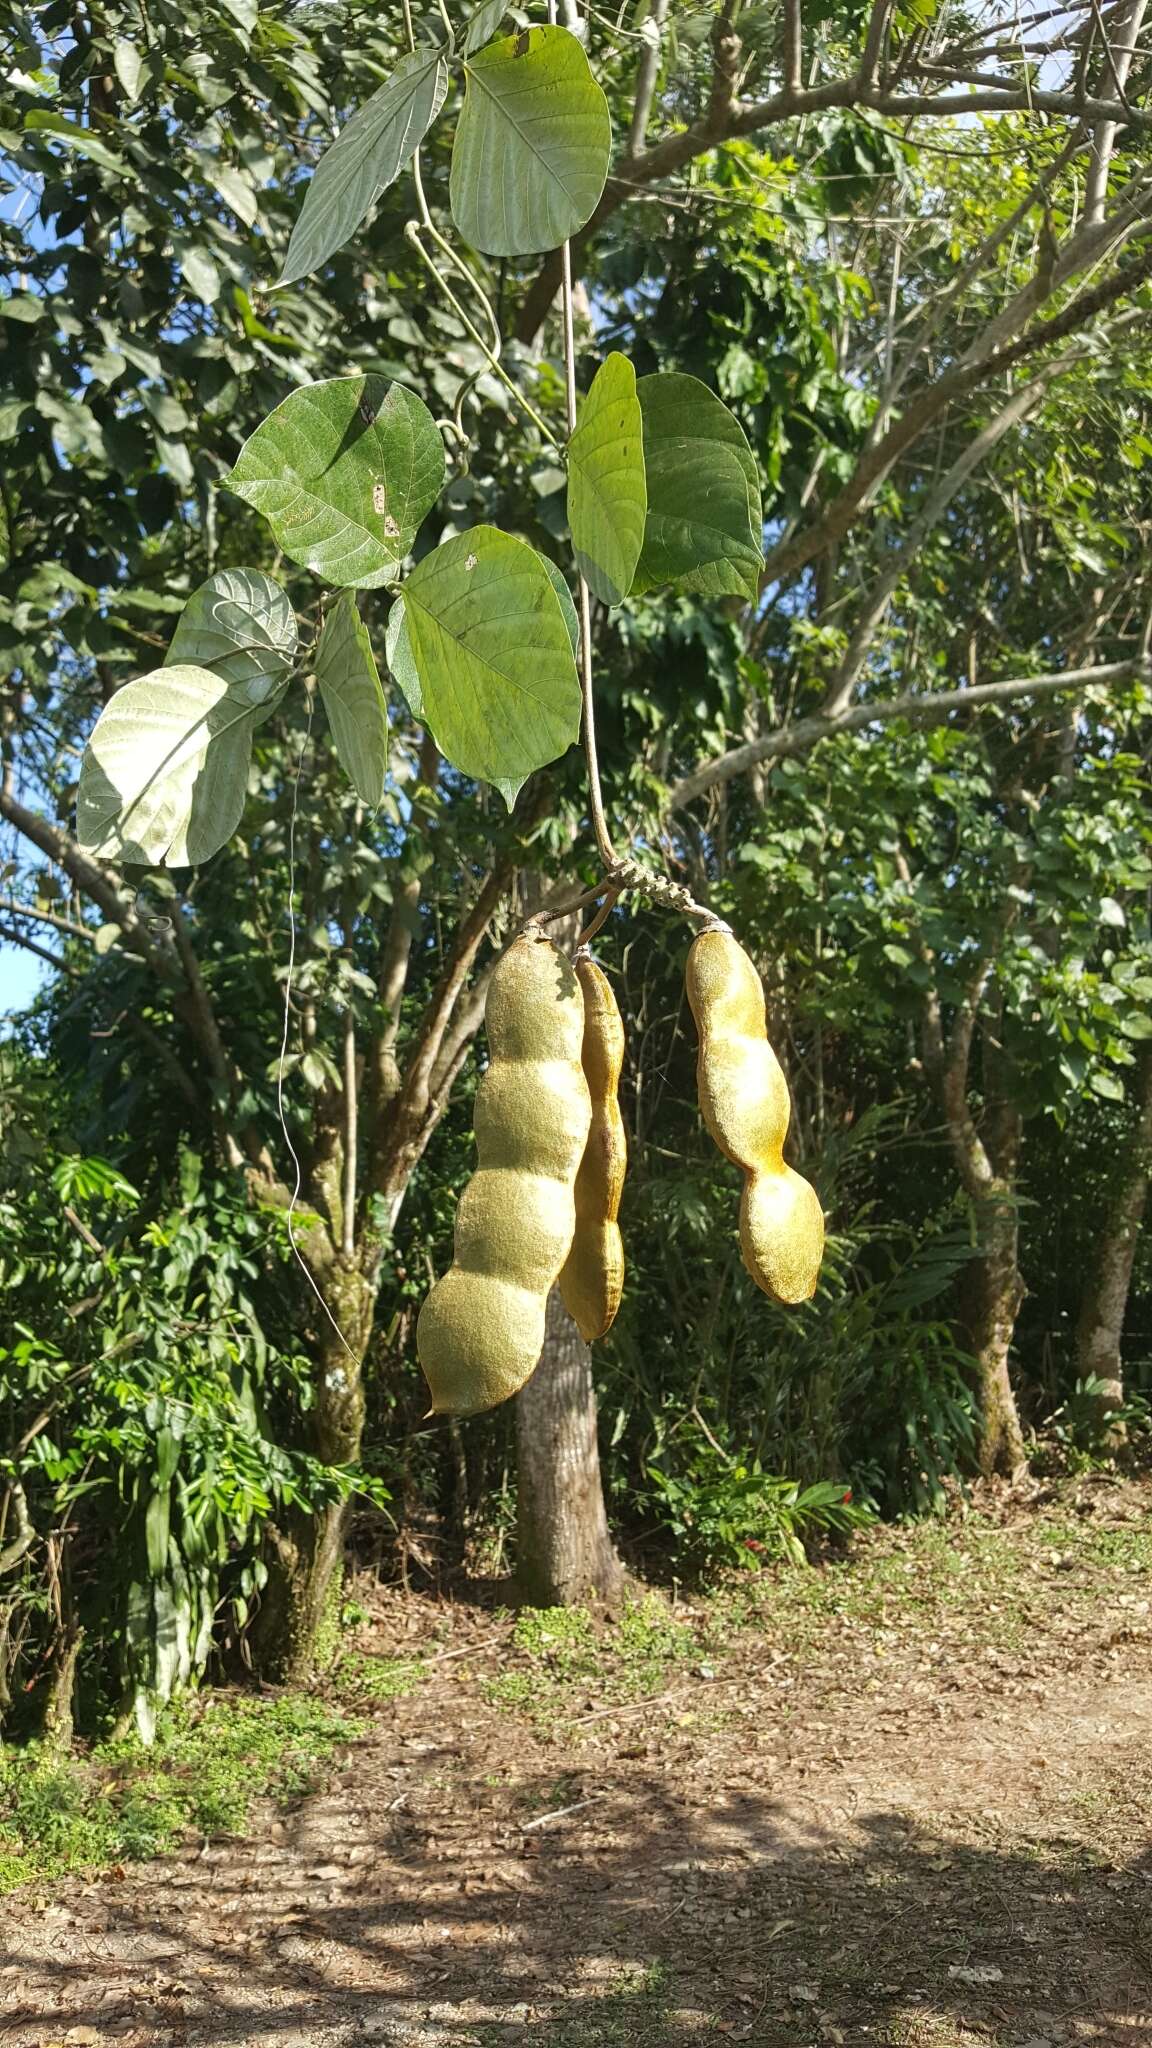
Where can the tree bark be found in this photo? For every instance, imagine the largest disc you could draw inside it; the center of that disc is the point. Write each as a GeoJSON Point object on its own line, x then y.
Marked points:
{"type": "Point", "coordinates": [992, 1295]}
{"type": "Point", "coordinates": [1105, 1300]}
{"type": "Point", "coordinates": [290, 1638]}
{"type": "Point", "coordinates": [565, 1554]}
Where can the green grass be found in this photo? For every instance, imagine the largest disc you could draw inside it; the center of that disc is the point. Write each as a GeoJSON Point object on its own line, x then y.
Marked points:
{"type": "Point", "coordinates": [211, 1759]}
{"type": "Point", "coordinates": [571, 1664]}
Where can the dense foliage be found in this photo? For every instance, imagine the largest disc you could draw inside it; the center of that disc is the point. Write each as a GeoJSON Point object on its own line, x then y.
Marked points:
{"type": "Point", "coordinates": [932, 342]}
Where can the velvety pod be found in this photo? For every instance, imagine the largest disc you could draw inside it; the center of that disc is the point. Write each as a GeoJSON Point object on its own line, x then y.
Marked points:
{"type": "Point", "coordinates": [481, 1330]}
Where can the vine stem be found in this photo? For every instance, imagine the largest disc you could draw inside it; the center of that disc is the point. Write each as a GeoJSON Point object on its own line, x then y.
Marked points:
{"type": "Point", "coordinates": [620, 872]}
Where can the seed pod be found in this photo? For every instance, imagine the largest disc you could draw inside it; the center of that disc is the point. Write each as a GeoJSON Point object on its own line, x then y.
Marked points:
{"type": "Point", "coordinates": [481, 1330]}
{"type": "Point", "coordinates": [593, 1277]}
{"type": "Point", "coordinates": [745, 1106]}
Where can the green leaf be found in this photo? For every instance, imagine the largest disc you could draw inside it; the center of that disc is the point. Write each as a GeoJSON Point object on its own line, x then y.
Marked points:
{"type": "Point", "coordinates": [5, 536]}
{"type": "Point", "coordinates": [532, 144]}
{"type": "Point", "coordinates": [106, 937]}
{"type": "Point", "coordinates": [127, 61]}
{"type": "Point", "coordinates": [704, 530]}
{"type": "Point", "coordinates": [400, 659]}
{"type": "Point", "coordinates": [199, 270]}
{"type": "Point", "coordinates": [607, 498]}
{"type": "Point", "coordinates": [484, 24]}
{"type": "Point", "coordinates": [42, 121]}
{"type": "Point", "coordinates": [349, 684]}
{"type": "Point", "coordinates": [567, 604]}
{"type": "Point", "coordinates": [344, 471]}
{"type": "Point", "coordinates": [364, 160]}
{"type": "Point", "coordinates": [156, 1531]}
{"type": "Point", "coordinates": [165, 772]}
{"type": "Point", "coordinates": [494, 656]}
{"type": "Point", "coordinates": [241, 625]}
{"type": "Point", "coordinates": [1108, 1086]}
{"type": "Point", "coordinates": [24, 306]}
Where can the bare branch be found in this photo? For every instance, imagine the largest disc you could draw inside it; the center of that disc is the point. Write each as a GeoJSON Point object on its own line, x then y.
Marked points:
{"type": "Point", "coordinates": [985, 96]}
{"type": "Point", "coordinates": [91, 879]}
{"type": "Point", "coordinates": [793, 46]}
{"type": "Point", "coordinates": [52, 917]}
{"type": "Point", "coordinates": [981, 445]}
{"type": "Point", "coordinates": [21, 1543]}
{"type": "Point", "coordinates": [920, 708]}
{"type": "Point", "coordinates": [647, 72]}
{"type": "Point", "coordinates": [928, 404]}
{"type": "Point", "coordinates": [12, 937]}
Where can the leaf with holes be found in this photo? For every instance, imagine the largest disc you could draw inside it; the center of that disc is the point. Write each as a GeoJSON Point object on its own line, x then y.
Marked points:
{"type": "Point", "coordinates": [165, 772]}
{"type": "Point", "coordinates": [532, 144]}
{"type": "Point", "coordinates": [348, 681]}
{"type": "Point", "coordinates": [344, 471]}
{"type": "Point", "coordinates": [704, 530]}
{"type": "Point", "coordinates": [494, 656]}
{"type": "Point", "coordinates": [607, 497]}
{"type": "Point", "coordinates": [366, 157]}
{"type": "Point", "coordinates": [239, 624]}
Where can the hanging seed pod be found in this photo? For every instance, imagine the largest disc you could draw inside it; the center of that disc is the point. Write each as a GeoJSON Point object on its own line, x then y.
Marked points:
{"type": "Point", "coordinates": [593, 1276]}
{"type": "Point", "coordinates": [480, 1332]}
{"type": "Point", "coordinates": [745, 1106]}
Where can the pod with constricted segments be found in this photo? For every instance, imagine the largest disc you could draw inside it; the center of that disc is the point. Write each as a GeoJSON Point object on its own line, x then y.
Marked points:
{"type": "Point", "coordinates": [480, 1332]}
{"type": "Point", "coordinates": [744, 1103]}
{"type": "Point", "coordinates": [593, 1276]}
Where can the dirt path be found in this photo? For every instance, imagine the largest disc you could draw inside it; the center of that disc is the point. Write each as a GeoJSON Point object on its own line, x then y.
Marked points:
{"type": "Point", "coordinates": [907, 1802]}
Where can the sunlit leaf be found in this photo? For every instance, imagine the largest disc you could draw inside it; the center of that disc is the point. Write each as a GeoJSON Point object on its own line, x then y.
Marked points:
{"type": "Point", "coordinates": [165, 772]}
{"type": "Point", "coordinates": [344, 471]}
{"type": "Point", "coordinates": [532, 144]}
{"type": "Point", "coordinates": [365, 158]}
{"type": "Point", "coordinates": [494, 656]}
{"type": "Point", "coordinates": [606, 491]}
{"type": "Point", "coordinates": [240, 624]}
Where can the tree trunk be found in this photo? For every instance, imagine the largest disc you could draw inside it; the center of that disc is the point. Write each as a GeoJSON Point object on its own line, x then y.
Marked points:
{"type": "Point", "coordinates": [1105, 1298]}
{"type": "Point", "coordinates": [295, 1631]}
{"type": "Point", "coordinates": [993, 1293]}
{"type": "Point", "coordinates": [564, 1551]}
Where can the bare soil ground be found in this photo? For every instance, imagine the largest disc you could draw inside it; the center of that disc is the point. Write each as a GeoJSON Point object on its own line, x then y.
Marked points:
{"type": "Point", "coordinates": [902, 1799]}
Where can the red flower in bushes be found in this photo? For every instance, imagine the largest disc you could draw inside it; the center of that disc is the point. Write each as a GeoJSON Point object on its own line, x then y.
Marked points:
{"type": "Point", "coordinates": [751, 1543]}
{"type": "Point", "coordinates": [847, 1496]}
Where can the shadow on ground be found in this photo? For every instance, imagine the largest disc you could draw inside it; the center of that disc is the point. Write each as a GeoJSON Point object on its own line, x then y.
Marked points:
{"type": "Point", "coordinates": [443, 1914]}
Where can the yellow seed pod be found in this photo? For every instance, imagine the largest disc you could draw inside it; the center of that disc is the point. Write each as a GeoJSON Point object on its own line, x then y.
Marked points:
{"type": "Point", "coordinates": [745, 1106]}
{"type": "Point", "coordinates": [593, 1277]}
{"type": "Point", "coordinates": [480, 1332]}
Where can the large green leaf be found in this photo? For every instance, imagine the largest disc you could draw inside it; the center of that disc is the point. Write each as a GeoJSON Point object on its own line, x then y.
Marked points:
{"type": "Point", "coordinates": [344, 471]}
{"type": "Point", "coordinates": [165, 771]}
{"type": "Point", "coordinates": [532, 144]}
{"type": "Point", "coordinates": [704, 530]}
{"type": "Point", "coordinates": [606, 489]}
{"type": "Point", "coordinates": [494, 657]}
{"type": "Point", "coordinates": [241, 625]}
{"type": "Point", "coordinates": [349, 684]}
{"type": "Point", "coordinates": [364, 160]}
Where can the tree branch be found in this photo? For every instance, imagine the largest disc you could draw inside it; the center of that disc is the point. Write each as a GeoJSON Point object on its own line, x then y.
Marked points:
{"type": "Point", "coordinates": [91, 880]}
{"type": "Point", "coordinates": [920, 708]}
{"type": "Point", "coordinates": [928, 404]}
{"type": "Point", "coordinates": [987, 96]}
{"type": "Point", "coordinates": [1018, 406]}
{"type": "Point", "coordinates": [12, 937]}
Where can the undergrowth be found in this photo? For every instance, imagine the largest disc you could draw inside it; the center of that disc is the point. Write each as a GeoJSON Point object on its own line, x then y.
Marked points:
{"type": "Point", "coordinates": [212, 1758]}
